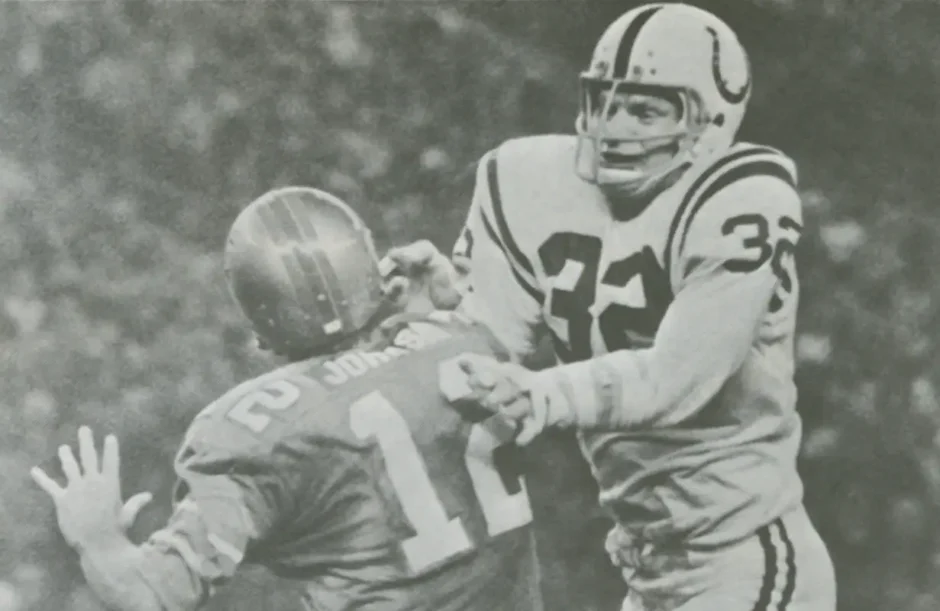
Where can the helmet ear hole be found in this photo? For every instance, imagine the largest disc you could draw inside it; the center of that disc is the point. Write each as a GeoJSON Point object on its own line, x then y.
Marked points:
{"type": "Point", "coordinates": [719, 120]}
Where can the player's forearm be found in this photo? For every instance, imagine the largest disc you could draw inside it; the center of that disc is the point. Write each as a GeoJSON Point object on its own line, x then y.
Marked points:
{"type": "Point", "coordinates": [625, 389]}
{"type": "Point", "coordinates": [128, 577]}
{"type": "Point", "coordinates": [114, 571]}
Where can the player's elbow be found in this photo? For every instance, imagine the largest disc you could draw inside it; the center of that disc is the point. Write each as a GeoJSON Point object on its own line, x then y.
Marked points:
{"type": "Point", "coordinates": [683, 397]}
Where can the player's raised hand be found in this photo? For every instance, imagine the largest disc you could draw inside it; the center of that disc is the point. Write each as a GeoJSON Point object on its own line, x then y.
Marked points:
{"type": "Point", "coordinates": [427, 268]}
{"type": "Point", "coordinates": [89, 507]}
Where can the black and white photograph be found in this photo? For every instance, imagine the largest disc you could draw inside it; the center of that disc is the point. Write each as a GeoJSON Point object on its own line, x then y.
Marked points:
{"type": "Point", "coordinates": [469, 305]}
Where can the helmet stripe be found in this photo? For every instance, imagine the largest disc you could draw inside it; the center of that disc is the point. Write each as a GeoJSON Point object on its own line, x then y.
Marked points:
{"type": "Point", "coordinates": [315, 264]}
{"type": "Point", "coordinates": [299, 264]}
{"type": "Point", "coordinates": [278, 221]}
{"type": "Point", "coordinates": [627, 42]}
{"type": "Point", "coordinates": [302, 221]}
{"type": "Point", "coordinates": [280, 224]}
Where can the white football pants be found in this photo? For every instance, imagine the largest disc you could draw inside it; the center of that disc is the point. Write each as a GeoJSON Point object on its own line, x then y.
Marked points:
{"type": "Point", "coordinates": [784, 566]}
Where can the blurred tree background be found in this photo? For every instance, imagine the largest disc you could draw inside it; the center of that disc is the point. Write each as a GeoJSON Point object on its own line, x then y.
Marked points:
{"type": "Point", "coordinates": [134, 132]}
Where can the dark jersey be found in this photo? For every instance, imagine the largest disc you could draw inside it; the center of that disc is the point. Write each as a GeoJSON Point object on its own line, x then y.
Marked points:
{"type": "Point", "coordinates": [354, 475]}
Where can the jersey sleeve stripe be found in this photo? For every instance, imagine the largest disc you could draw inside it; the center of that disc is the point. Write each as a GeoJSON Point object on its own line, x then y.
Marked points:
{"type": "Point", "coordinates": [525, 284]}
{"type": "Point", "coordinates": [492, 178]}
{"type": "Point", "coordinates": [693, 190]}
{"type": "Point", "coordinates": [749, 169]}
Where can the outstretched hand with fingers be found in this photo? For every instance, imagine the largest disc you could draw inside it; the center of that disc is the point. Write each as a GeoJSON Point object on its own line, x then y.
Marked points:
{"type": "Point", "coordinates": [89, 507]}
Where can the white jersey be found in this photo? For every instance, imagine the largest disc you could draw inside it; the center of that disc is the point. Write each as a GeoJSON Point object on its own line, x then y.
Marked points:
{"type": "Point", "coordinates": [689, 306]}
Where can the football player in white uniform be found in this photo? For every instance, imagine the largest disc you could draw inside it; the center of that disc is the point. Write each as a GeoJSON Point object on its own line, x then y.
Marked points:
{"type": "Point", "coordinates": [657, 252]}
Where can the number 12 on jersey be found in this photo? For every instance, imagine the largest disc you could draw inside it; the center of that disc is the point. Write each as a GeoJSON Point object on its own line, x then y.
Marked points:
{"type": "Point", "coordinates": [437, 537]}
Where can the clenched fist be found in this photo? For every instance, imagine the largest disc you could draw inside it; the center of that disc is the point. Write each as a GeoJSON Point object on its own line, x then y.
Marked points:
{"type": "Point", "coordinates": [422, 266]}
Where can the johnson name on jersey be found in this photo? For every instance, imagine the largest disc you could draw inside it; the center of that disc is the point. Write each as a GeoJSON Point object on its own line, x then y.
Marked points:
{"type": "Point", "coordinates": [720, 241]}
{"type": "Point", "coordinates": [351, 473]}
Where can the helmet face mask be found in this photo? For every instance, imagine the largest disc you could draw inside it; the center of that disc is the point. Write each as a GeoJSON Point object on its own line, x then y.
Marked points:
{"type": "Point", "coordinates": [669, 52]}
{"type": "Point", "coordinates": [632, 134]}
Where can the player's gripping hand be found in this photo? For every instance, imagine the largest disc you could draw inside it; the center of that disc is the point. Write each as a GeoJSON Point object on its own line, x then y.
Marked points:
{"type": "Point", "coordinates": [89, 507]}
{"type": "Point", "coordinates": [421, 262]}
{"type": "Point", "coordinates": [514, 392]}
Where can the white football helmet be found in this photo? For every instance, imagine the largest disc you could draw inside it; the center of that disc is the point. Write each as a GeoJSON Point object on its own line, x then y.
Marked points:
{"type": "Point", "coordinates": [675, 49]}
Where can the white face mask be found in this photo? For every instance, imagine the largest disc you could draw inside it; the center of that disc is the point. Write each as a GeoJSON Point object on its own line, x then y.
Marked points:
{"type": "Point", "coordinates": [631, 136]}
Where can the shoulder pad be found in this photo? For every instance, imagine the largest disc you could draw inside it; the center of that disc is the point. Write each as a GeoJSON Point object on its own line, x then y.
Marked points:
{"type": "Point", "coordinates": [246, 416]}
{"type": "Point", "coordinates": [533, 153]}
{"type": "Point", "coordinates": [520, 203]}
{"type": "Point", "coordinates": [761, 168]}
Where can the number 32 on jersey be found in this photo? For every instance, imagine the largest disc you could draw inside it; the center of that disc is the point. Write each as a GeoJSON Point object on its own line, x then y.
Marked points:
{"type": "Point", "coordinates": [572, 262]}
{"type": "Point", "coordinates": [438, 537]}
